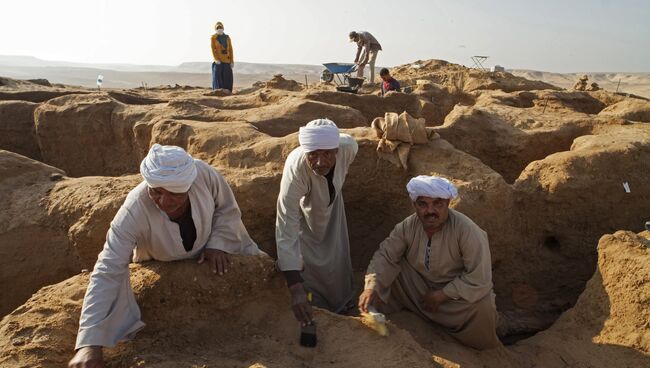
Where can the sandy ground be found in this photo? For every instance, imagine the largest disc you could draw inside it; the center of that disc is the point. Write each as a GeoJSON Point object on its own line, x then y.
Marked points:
{"type": "Point", "coordinates": [198, 74]}
{"type": "Point", "coordinates": [525, 155]}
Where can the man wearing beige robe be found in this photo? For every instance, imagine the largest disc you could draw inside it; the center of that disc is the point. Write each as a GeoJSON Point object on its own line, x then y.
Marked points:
{"type": "Point", "coordinates": [367, 50]}
{"type": "Point", "coordinates": [311, 227]}
{"type": "Point", "coordinates": [183, 209]}
{"type": "Point", "coordinates": [436, 263]}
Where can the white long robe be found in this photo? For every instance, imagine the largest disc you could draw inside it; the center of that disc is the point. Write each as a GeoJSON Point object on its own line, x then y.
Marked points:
{"type": "Point", "coordinates": [312, 235]}
{"type": "Point", "coordinates": [140, 231]}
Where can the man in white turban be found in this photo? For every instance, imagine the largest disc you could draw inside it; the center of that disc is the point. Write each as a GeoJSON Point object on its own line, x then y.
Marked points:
{"type": "Point", "coordinates": [311, 229]}
{"type": "Point", "coordinates": [436, 263]}
{"type": "Point", "coordinates": [183, 209]}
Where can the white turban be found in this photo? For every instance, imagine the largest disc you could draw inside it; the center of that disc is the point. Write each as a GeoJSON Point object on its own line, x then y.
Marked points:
{"type": "Point", "coordinates": [319, 134]}
{"type": "Point", "coordinates": [431, 186]}
{"type": "Point", "coordinates": [168, 167]}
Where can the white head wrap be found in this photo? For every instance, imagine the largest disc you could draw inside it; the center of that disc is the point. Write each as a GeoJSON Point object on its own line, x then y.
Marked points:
{"type": "Point", "coordinates": [168, 167]}
{"type": "Point", "coordinates": [319, 134]}
{"type": "Point", "coordinates": [431, 186]}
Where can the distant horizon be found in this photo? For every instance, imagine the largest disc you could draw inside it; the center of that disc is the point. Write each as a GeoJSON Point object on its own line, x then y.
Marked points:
{"type": "Point", "coordinates": [136, 64]}
{"type": "Point", "coordinates": [555, 36]}
{"type": "Point", "coordinates": [290, 64]}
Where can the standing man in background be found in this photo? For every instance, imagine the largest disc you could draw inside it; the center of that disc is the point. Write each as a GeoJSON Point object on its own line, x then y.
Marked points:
{"type": "Point", "coordinates": [371, 47]}
{"type": "Point", "coordinates": [223, 59]}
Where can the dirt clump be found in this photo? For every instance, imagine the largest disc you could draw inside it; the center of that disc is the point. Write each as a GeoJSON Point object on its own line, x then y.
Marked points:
{"type": "Point", "coordinates": [631, 109]}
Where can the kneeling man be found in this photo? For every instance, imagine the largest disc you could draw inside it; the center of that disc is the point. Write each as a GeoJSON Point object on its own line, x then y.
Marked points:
{"type": "Point", "coordinates": [436, 263]}
{"type": "Point", "coordinates": [183, 209]}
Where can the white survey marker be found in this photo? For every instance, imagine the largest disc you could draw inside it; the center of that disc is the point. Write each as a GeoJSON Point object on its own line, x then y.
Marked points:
{"type": "Point", "coordinates": [626, 186]}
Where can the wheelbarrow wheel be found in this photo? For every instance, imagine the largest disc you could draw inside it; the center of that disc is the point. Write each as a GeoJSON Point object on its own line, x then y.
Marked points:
{"type": "Point", "coordinates": [326, 76]}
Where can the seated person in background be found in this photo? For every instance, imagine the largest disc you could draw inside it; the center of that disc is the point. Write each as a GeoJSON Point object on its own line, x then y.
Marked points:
{"type": "Point", "coordinates": [389, 83]}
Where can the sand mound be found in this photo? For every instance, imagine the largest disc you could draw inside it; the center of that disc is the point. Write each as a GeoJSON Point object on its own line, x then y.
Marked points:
{"type": "Point", "coordinates": [608, 327]}
{"type": "Point", "coordinates": [196, 318]}
{"type": "Point", "coordinates": [29, 240]}
{"type": "Point", "coordinates": [85, 207]}
{"type": "Point", "coordinates": [566, 221]}
{"type": "Point", "coordinates": [281, 119]}
{"type": "Point", "coordinates": [241, 319]}
{"type": "Point", "coordinates": [460, 78]}
{"type": "Point", "coordinates": [18, 130]}
{"type": "Point", "coordinates": [522, 126]}
{"type": "Point", "coordinates": [37, 90]}
{"type": "Point", "coordinates": [51, 223]}
{"type": "Point", "coordinates": [630, 109]}
{"type": "Point", "coordinates": [372, 106]}
{"type": "Point", "coordinates": [110, 128]}
{"type": "Point", "coordinates": [278, 82]}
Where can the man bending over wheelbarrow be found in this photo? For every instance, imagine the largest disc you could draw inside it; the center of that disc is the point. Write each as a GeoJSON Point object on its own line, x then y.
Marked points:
{"type": "Point", "coordinates": [371, 47]}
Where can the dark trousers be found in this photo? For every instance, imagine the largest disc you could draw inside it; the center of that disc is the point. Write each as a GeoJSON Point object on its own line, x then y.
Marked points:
{"type": "Point", "coordinates": [222, 76]}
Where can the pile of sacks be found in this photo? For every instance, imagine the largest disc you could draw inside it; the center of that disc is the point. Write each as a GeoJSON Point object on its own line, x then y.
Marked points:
{"type": "Point", "coordinates": [397, 134]}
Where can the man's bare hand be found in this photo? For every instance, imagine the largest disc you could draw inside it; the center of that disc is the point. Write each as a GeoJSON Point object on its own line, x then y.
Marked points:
{"type": "Point", "coordinates": [300, 305]}
{"type": "Point", "coordinates": [88, 357]}
{"type": "Point", "coordinates": [432, 300]}
{"type": "Point", "coordinates": [218, 260]}
{"type": "Point", "coordinates": [366, 299]}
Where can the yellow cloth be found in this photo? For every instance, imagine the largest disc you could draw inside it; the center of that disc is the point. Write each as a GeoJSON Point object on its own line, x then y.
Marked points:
{"type": "Point", "coordinates": [217, 51]}
{"type": "Point", "coordinates": [459, 265]}
{"type": "Point", "coordinates": [397, 134]}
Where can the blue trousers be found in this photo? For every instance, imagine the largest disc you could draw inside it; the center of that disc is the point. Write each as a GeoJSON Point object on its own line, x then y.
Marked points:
{"type": "Point", "coordinates": [222, 76]}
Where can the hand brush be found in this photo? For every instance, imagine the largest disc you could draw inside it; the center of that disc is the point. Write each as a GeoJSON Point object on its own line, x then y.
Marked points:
{"type": "Point", "coordinates": [375, 320]}
{"type": "Point", "coordinates": [308, 333]}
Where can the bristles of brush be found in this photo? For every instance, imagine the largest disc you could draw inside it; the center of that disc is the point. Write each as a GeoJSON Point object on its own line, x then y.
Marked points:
{"type": "Point", "coordinates": [371, 322]}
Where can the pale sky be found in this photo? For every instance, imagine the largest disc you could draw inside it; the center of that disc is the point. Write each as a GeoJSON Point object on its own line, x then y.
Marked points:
{"type": "Point", "coordinates": [552, 35]}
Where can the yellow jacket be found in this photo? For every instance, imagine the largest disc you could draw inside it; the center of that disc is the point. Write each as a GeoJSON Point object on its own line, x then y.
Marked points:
{"type": "Point", "coordinates": [218, 52]}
